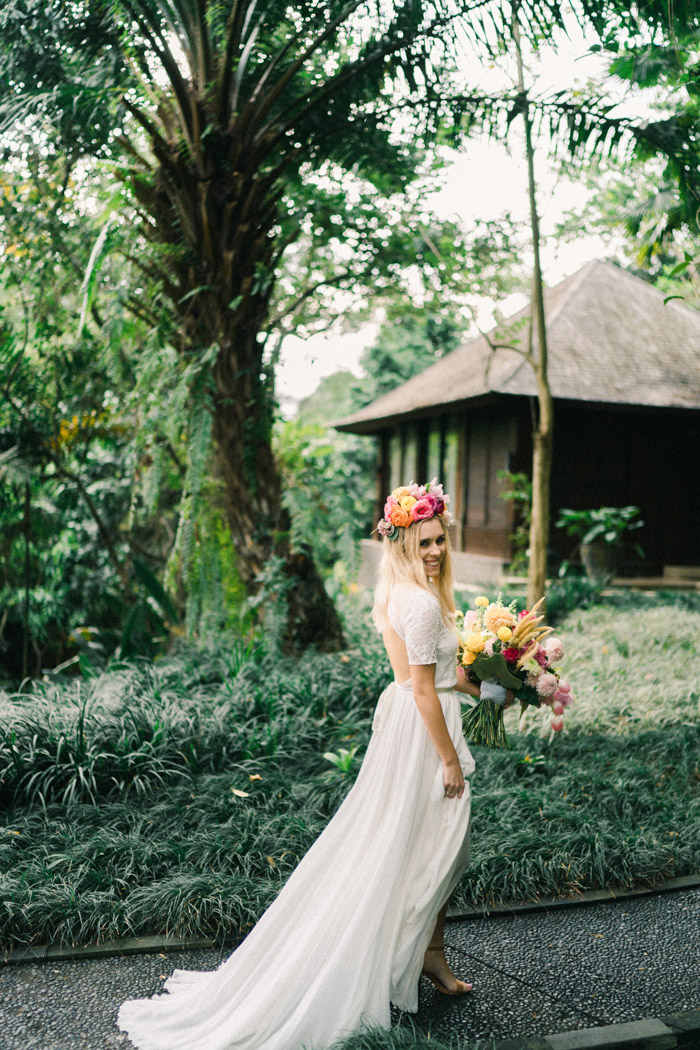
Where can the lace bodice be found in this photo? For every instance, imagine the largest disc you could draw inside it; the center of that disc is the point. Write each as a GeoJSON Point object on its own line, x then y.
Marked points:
{"type": "Point", "coordinates": [416, 617]}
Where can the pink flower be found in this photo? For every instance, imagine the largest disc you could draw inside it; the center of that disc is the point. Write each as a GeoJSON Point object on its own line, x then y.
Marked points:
{"type": "Point", "coordinates": [391, 502]}
{"type": "Point", "coordinates": [532, 678]}
{"type": "Point", "coordinates": [557, 707]}
{"type": "Point", "coordinates": [557, 723]}
{"type": "Point", "coordinates": [415, 490]}
{"type": "Point", "coordinates": [385, 528]}
{"type": "Point", "coordinates": [563, 698]}
{"type": "Point", "coordinates": [422, 509]}
{"type": "Point", "coordinates": [546, 684]}
{"type": "Point", "coordinates": [512, 654]}
{"type": "Point", "coordinates": [488, 647]}
{"type": "Point", "coordinates": [564, 686]}
{"type": "Point", "coordinates": [541, 656]}
{"type": "Point", "coordinates": [554, 650]}
{"type": "Point", "coordinates": [522, 613]}
{"type": "Point", "coordinates": [470, 618]}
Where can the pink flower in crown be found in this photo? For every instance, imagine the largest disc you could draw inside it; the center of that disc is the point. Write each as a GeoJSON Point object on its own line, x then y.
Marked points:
{"type": "Point", "coordinates": [422, 509]}
{"type": "Point", "coordinates": [435, 489]}
{"type": "Point", "coordinates": [385, 528]}
{"type": "Point", "coordinates": [390, 502]}
{"type": "Point", "coordinates": [418, 491]}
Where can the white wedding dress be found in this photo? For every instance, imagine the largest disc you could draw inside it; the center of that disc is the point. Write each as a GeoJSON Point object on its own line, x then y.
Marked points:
{"type": "Point", "coordinates": [347, 934]}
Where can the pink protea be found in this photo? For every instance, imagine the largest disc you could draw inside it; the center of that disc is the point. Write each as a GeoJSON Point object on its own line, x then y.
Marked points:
{"type": "Point", "coordinates": [546, 684]}
{"type": "Point", "coordinates": [554, 650]}
{"type": "Point", "coordinates": [541, 656]}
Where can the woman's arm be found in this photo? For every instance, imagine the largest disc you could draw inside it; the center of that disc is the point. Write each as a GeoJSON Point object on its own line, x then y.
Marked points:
{"type": "Point", "coordinates": [430, 708]}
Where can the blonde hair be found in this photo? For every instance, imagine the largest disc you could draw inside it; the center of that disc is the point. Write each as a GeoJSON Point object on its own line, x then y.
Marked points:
{"type": "Point", "coordinates": [401, 563]}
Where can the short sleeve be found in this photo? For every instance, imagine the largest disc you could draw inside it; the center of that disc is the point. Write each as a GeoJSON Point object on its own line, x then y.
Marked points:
{"type": "Point", "coordinates": [418, 620]}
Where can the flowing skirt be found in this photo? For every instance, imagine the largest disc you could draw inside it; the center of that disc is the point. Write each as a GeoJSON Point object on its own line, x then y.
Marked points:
{"type": "Point", "coordinates": [347, 934]}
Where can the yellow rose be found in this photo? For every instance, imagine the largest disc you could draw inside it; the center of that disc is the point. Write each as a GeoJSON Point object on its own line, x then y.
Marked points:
{"type": "Point", "coordinates": [400, 492]}
{"type": "Point", "coordinates": [407, 502]}
{"type": "Point", "coordinates": [481, 601]}
{"type": "Point", "coordinates": [505, 634]}
{"type": "Point", "coordinates": [468, 658]}
{"type": "Point", "coordinates": [474, 642]}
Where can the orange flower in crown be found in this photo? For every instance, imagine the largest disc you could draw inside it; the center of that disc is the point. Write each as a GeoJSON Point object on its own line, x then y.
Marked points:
{"type": "Point", "coordinates": [410, 503]}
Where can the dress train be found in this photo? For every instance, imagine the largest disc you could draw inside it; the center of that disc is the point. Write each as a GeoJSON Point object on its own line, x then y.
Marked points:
{"type": "Point", "coordinates": [347, 934]}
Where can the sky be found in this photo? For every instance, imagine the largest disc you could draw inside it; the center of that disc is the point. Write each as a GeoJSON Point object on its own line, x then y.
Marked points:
{"type": "Point", "coordinates": [483, 181]}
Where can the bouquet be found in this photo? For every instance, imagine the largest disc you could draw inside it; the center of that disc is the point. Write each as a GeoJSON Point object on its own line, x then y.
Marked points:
{"type": "Point", "coordinates": [502, 647]}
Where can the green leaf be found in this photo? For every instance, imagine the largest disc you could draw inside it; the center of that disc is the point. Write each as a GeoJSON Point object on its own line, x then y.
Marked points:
{"type": "Point", "coordinates": [155, 589]}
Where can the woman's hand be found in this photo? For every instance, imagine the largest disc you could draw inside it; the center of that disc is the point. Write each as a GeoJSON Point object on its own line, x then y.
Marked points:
{"type": "Point", "coordinates": [452, 778]}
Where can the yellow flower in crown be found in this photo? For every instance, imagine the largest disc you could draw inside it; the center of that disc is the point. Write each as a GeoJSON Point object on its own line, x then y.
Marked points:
{"type": "Point", "coordinates": [402, 491]}
{"type": "Point", "coordinates": [474, 643]}
{"type": "Point", "coordinates": [407, 502]}
{"type": "Point", "coordinates": [481, 601]}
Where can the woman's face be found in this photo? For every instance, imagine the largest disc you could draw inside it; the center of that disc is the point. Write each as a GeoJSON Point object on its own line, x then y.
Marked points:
{"type": "Point", "coordinates": [431, 546]}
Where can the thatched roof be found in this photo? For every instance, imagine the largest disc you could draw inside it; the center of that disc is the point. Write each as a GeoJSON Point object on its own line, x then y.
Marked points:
{"type": "Point", "coordinates": [611, 339]}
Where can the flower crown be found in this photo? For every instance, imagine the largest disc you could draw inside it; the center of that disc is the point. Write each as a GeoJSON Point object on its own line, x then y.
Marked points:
{"type": "Point", "coordinates": [411, 503]}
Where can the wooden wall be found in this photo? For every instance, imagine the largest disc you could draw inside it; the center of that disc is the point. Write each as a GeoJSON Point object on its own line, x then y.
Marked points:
{"type": "Point", "coordinates": [603, 456]}
{"type": "Point", "coordinates": [465, 450]}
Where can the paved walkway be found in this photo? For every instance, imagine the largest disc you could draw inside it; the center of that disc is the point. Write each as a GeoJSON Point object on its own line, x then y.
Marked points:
{"type": "Point", "coordinates": [534, 973]}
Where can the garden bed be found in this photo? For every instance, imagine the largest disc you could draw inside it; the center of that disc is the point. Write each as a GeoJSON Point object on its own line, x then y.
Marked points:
{"type": "Point", "coordinates": [177, 797]}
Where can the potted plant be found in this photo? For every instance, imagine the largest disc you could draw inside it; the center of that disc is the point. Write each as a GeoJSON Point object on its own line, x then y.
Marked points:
{"type": "Point", "coordinates": [600, 533]}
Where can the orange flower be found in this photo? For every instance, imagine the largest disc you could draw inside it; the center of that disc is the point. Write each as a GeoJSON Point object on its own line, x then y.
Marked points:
{"type": "Point", "coordinates": [400, 517]}
{"type": "Point", "coordinates": [498, 616]}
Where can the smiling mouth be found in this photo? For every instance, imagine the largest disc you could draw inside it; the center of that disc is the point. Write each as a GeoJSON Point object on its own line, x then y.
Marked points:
{"type": "Point", "coordinates": [432, 564]}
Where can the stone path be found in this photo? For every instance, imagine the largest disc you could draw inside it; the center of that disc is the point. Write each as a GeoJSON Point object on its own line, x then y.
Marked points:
{"type": "Point", "coordinates": [534, 974]}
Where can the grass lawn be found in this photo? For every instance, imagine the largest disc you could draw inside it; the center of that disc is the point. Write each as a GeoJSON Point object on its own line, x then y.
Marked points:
{"type": "Point", "coordinates": [178, 796]}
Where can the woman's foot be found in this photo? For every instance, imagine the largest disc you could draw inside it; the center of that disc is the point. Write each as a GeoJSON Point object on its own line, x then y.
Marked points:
{"type": "Point", "coordinates": [437, 969]}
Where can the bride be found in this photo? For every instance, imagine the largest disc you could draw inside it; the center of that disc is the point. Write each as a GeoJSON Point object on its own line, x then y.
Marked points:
{"type": "Point", "coordinates": [362, 915]}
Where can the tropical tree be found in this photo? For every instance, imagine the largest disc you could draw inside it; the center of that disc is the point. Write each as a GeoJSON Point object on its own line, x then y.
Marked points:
{"type": "Point", "coordinates": [227, 123]}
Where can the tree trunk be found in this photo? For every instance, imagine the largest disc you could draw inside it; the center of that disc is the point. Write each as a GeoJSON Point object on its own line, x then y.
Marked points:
{"type": "Point", "coordinates": [543, 435]}
{"type": "Point", "coordinates": [252, 503]}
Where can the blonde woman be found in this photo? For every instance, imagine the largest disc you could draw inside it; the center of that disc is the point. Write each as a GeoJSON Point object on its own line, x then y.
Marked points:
{"type": "Point", "coordinates": [362, 915]}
